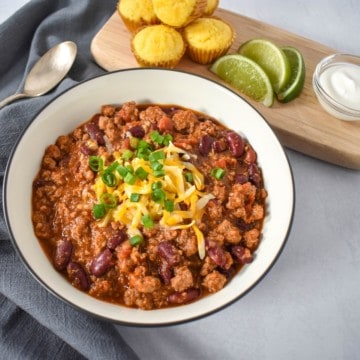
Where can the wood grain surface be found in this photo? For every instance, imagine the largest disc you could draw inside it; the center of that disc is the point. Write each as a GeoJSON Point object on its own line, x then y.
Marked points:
{"type": "Point", "coordinates": [301, 124]}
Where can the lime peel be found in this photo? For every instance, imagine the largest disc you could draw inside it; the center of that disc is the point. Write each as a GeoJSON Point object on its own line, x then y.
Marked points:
{"type": "Point", "coordinates": [297, 78]}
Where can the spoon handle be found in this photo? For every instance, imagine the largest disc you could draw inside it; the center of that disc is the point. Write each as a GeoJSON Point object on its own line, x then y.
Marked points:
{"type": "Point", "coordinates": [11, 98]}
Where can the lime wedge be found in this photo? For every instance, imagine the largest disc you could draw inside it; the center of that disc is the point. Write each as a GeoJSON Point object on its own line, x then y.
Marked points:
{"type": "Point", "coordinates": [246, 76]}
{"type": "Point", "coordinates": [297, 77]}
{"type": "Point", "coordinates": [271, 58]}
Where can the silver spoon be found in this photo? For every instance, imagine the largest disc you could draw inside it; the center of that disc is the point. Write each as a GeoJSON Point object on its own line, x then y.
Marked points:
{"type": "Point", "coordinates": [48, 71]}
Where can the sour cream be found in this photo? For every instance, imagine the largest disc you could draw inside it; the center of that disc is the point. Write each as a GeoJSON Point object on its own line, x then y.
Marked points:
{"type": "Point", "coordinates": [342, 82]}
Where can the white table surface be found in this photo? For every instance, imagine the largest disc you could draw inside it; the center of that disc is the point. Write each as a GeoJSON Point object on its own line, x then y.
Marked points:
{"type": "Point", "coordinates": [308, 306]}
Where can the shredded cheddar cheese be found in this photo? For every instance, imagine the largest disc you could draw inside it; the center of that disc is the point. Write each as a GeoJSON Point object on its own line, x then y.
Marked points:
{"type": "Point", "coordinates": [153, 190]}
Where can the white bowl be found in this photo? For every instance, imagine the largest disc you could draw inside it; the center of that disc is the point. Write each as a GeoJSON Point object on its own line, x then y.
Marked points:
{"type": "Point", "coordinates": [77, 105]}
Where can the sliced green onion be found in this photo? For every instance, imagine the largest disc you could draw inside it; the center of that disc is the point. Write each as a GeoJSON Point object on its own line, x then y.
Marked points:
{"type": "Point", "coordinates": [136, 240]}
{"type": "Point", "coordinates": [147, 221]}
{"type": "Point", "coordinates": [130, 169]}
{"type": "Point", "coordinates": [189, 177]}
{"type": "Point", "coordinates": [167, 139]}
{"type": "Point", "coordinates": [143, 150]}
{"type": "Point", "coordinates": [127, 155]}
{"type": "Point", "coordinates": [108, 200]}
{"type": "Point", "coordinates": [218, 173]}
{"type": "Point", "coordinates": [134, 142]}
{"type": "Point", "coordinates": [161, 139]}
{"type": "Point", "coordinates": [143, 153]}
{"type": "Point", "coordinates": [159, 173]}
{"type": "Point", "coordinates": [112, 167]}
{"type": "Point", "coordinates": [99, 211]}
{"type": "Point", "coordinates": [141, 173]}
{"type": "Point", "coordinates": [130, 178]}
{"type": "Point", "coordinates": [109, 179]}
{"type": "Point", "coordinates": [155, 165]}
{"type": "Point", "coordinates": [134, 197]}
{"type": "Point", "coordinates": [158, 195]}
{"type": "Point", "coordinates": [169, 205]}
{"type": "Point", "coordinates": [156, 137]}
{"type": "Point", "coordinates": [122, 170]}
{"type": "Point", "coordinates": [143, 144]}
{"type": "Point", "coordinates": [156, 156]}
{"type": "Point", "coordinates": [96, 163]}
{"type": "Point", "coordinates": [156, 185]}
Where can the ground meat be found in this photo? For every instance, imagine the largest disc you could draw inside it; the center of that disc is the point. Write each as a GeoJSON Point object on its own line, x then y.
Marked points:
{"type": "Point", "coordinates": [208, 266]}
{"type": "Point", "coordinates": [251, 239]}
{"type": "Point", "coordinates": [207, 127]}
{"type": "Point", "coordinates": [187, 242]}
{"type": "Point", "coordinates": [183, 279]}
{"type": "Point", "coordinates": [230, 232]}
{"type": "Point", "coordinates": [154, 114]}
{"type": "Point", "coordinates": [220, 191]}
{"type": "Point", "coordinates": [143, 283]}
{"type": "Point", "coordinates": [214, 281]}
{"type": "Point", "coordinates": [53, 151]}
{"type": "Point", "coordinates": [241, 200]}
{"type": "Point", "coordinates": [101, 288]}
{"type": "Point", "coordinates": [128, 112]}
{"type": "Point", "coordinates": [64, 143]}
{"type": "Point", "coordinates": [184, 121]}
{"type": "Point", "coordinates": [214, 210]}
{"type": "Point", "coordinates": [108, 110]}
{"type": "Point", "coordinates": [134, 298]}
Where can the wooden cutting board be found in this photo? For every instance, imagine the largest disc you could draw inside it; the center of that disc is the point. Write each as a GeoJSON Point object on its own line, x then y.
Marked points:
{"type": "Point", "coordinates": [301, 124]}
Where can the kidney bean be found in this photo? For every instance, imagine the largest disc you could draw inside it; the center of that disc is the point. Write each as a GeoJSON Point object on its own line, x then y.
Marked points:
{"type": "Point", "coordinates": [102, 263]}
{"type": "Point", "coordinates": [41, 182]}
{"type": "Point", "coordinates": [86, 150]}
{"type": "Point", "coordinates": [116, 239]}
{"type": "Point", "coordinates": [137, 131]}
{"type": "Point", "coordinates": [241, 254]}
{"type": "Point", "coordinates": [235, 143]}
{"type": "Point", "coordinates": [65, 161]}
{"type": "Point", "coordinates": [78, 276]}
{"type": "Point", "coordinates": [219, 145]}
{"type": "Point", "coordinates": [217, 255]}
{"type": "Point", "coordinates": [165, 272]}
{"type": "Point", "coordinates": [62, 255]}
{"type": "Point", "coordinates": [205, 144]}
{"type": "Point", "coordinates": [229, 273]}
{"type": "Point", "coordinates": [169, 252]}
{"type": "Point", "coordinates": [178, 298]}
{"type": "Point", "coordinates": [243, 226]}
{"type": "Point", "coordinates": [95, 133]}
{"type": "Point", "coordinates": [170, 111]}
{"type": "Point", "coordinates": [254, 175]}
{"type": "Point", "coordinates": [241, 178]}
{"type": "Point", "coordinates": [250, 156]}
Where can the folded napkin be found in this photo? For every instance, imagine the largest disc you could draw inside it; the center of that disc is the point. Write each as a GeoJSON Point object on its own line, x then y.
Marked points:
{"type": "Point", "coordinates": [33, 323]}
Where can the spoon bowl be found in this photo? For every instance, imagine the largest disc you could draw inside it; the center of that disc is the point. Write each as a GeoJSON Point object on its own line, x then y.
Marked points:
{"type": "Point", "coordinates": [48, 71]}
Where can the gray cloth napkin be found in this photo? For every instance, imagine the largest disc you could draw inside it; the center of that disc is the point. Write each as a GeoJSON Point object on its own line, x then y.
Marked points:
{"type": "Point", "coordinates": [33, 323]}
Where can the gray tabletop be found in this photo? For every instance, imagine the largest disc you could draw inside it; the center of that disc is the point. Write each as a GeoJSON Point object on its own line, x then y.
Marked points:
{"type": "Point", "coordinates": [307, 307]}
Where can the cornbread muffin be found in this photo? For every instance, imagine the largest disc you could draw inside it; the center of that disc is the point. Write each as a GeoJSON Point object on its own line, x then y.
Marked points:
{"type": "Point", "coordinates": [137, 13]}
{"type": "Point", "coordinates": [211, 7]}
{"type": "Point", "coordinates": [178, 13]}
{"type": "Point", "coordinates": [158, 45]}
{"type": "Point", "coordinates": [207, 39]}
